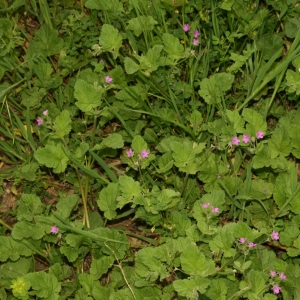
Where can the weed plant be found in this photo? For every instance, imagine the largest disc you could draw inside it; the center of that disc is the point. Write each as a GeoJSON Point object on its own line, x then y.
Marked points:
{"type": "Point", "coordinates": [177, 117]}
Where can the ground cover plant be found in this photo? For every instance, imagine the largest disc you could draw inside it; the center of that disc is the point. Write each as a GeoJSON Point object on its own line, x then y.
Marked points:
{"type": "Point", "coordinates": [175, 126]}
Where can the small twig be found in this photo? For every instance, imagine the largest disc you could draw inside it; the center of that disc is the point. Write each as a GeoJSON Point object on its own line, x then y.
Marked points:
{"type": "Point", "coordinates": [122, 271]}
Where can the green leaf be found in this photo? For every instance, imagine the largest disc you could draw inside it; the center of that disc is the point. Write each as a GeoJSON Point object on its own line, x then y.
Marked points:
{"type": "Point", "coordinates": [24, 229]}
{"type": "Point", "coordinates": [165, 163]}
{"type": "Point", "coordinates": [46, 41]}
{"type": "Point", "coordinates": [88, 96]}
{"type": "Point", "coordinates": [129, 188]}
{"type": "Point", "coordinates": [269, 44]}
{"type": "Point", "coordinates": [111, 6]}
{"type": "Point", "coordinates": [138, 144]}
{"type": "Point", "coordinates": [227, 4]}
{"type": "Point", "coordinates": [53, 156]}
{"type": "Point", "coordinates": [183, 153]}
{"type": "Point", "coordinates": [30, 206]}
{"type": "Point", "coordinates": [44, 285]}
{"type": "Point", "coordinates": [27, 172]}
{"type": "Point", "coordinates": [141, 24]}
{"type": "Point", "coordinates": [218, 289]}
{"type": "Point", "coordinates": [114, 141]}
{"type": "Point", "coordinates": [107, 200]}
{"type": "Point", "coordinates": [69, 252]}
{"type": "Point", "coordinates": [118, 248]}
{"type": "Point", "coordinates": [110, 39]}
{"type": "Point", "coordinates": [289, 235]}
{"type": "Point", "coordinates": [62, 124]}
{"type": "Point", "coordinates": [100, 266]}
{"type": "Point", "coordinates": [214, 87]}
{"type": "Point", "coordinates": [150, 62]}
{"type": "Point", "coordinates": [255, 120]}
{"type": "Point", "coordinates": [16, 269]}
{"type": "Point", "coordinates": [172, 46]}
{"type": "Point", "coordinates": [148, 266]}
{"type": "Point", "coordinates": [236, 120]}
{"type": "Point", "coordinates": [293, 82]}
{"type": "Point", "coordinates": [224, 241]}
{"type": "Point", "coordinates": [291, 28]}
{"type": "Point", "coordinates": [193, 262]}
{"type": "Point", "coordinates": [280, 142]}
{"type": "Point", "coordinates": [11, 249]}
{"type": "Point", "coordinates": [130, 66]}
{"type": "Point", "coordinates": [189, 287]}
{"type": "Point", "coordinates": [65, 206]}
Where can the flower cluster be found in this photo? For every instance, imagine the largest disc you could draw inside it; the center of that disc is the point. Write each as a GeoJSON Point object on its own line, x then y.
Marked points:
{"type": "Point", "coordinates": [39, 120]}
{"type": "Point", "coordinates": [213, 209]}
{"type": "Point", "coordinates": [276, 288]}
{"type": "Point", "coordinates": [54, 229]}
{"type": "Point", "coordinates": [144, 153]}
{"type": "Point", "coordinates": [275, 235]}
{"type": "Point", "coordinates": [246, 138]}
{"type": "Point", "coordinates": [186, 28]}
{"type": "Point", "coordinates": [243, 241]}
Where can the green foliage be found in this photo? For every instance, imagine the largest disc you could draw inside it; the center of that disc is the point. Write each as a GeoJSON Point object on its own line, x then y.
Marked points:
{"type": "Point", "coordinates": [165, 132]}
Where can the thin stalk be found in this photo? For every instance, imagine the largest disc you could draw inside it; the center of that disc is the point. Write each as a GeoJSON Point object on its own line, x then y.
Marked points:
{"type": "Point", "coordinates": [6, 225]}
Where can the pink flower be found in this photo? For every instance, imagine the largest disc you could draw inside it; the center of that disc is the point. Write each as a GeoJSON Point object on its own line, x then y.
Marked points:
{"type": "Point", "coordinates": [108, 79]}
{"type": "Point", "coordinates": [196, 33]}
{"type": "Point", "coordinates": [214, 209]}
{"type": "Point", "coordinates": [54, 229]}
{"type": "Point", "coordinates": [144, 153]}
{"type": "Point", "coordinates": [259, 134]}
{"type": "Point", "coordinates": [39, 121]}
{"type": "Point", "coordinates": [130, 153]}
{"type": "Point", "coordinates": [196, 42]}
{"type": "Point", "coordinates": [227, 166]}
{"type": "Point", "coordinates": [251, 245]}
{"type": "Point", "coordinates": [186, 27]}
{"type": "Point", "coordinates": [45, 112]}
{"type": "Point", "coordinates": [275, 235]}
{"type": "Point", "coordinates": [100, 59]}
{"type": "Point", "coordinates": [282, 276]}
{"type": "Point", "coordinates": [246, 138]}
{"type": "Point", "coordinates": [273, 273]}
{"type": "Point", "coordinates": [242, 240]}
{"type": "Point", "coordinates": [205, 205]}
{"type": "Point", "coordinates": [235, 140]}
{"type": "Point", "coordinates": [276, 289]}
{"type": "Point", "coordinates": [219, 176]}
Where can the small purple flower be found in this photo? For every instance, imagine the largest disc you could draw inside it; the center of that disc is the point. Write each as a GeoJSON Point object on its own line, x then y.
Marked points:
{"type": "Point", "coordinates": [275, 235]}
{"type": "Point", "coordinates": [276, 289]}
{"type": "Point", "coordinates": [227, 166]}
{"type": "Point", "coordinates": [196, 42]}
{"type": "Point", "coordinates": [108, 79]}
{"type": "Point", "coordinates": [259, 134]}
{"type": "Point", "coordinates": [251, 245]}
{"type": "Point", "coordinates": [144, 153]}
{"type": "Point", "coordinates": [219, 176]}
{"type": "Point", "coordinates": [282, 276]}
{"type": "Point", "coordinates": [246, 138]}
{"type": "Point", "coordinates": [242, 240]}
{"type": "Point", "coordinates": [205, 205]}
{"type": "Point", "coordinates": [39, 121]}
{"type": "Point", "coordinates": [45, 112]}
{"type": "Point", "coordinates": [130, 153]}
{"type": "Point", "coordinates": [186, 27]}
{"type": "Point", "coordinates": [100, 60]}
{"type": "Point", "coordinates": [235, 140]}
{"type": "Point", "coordinates": [196, 33]}
{"type": "Point", "coordinates": [273, 273]}
{"type": "Point", "coordinates": [214, 209]}
{"type": "Point", "coordinates": [54, 229]}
